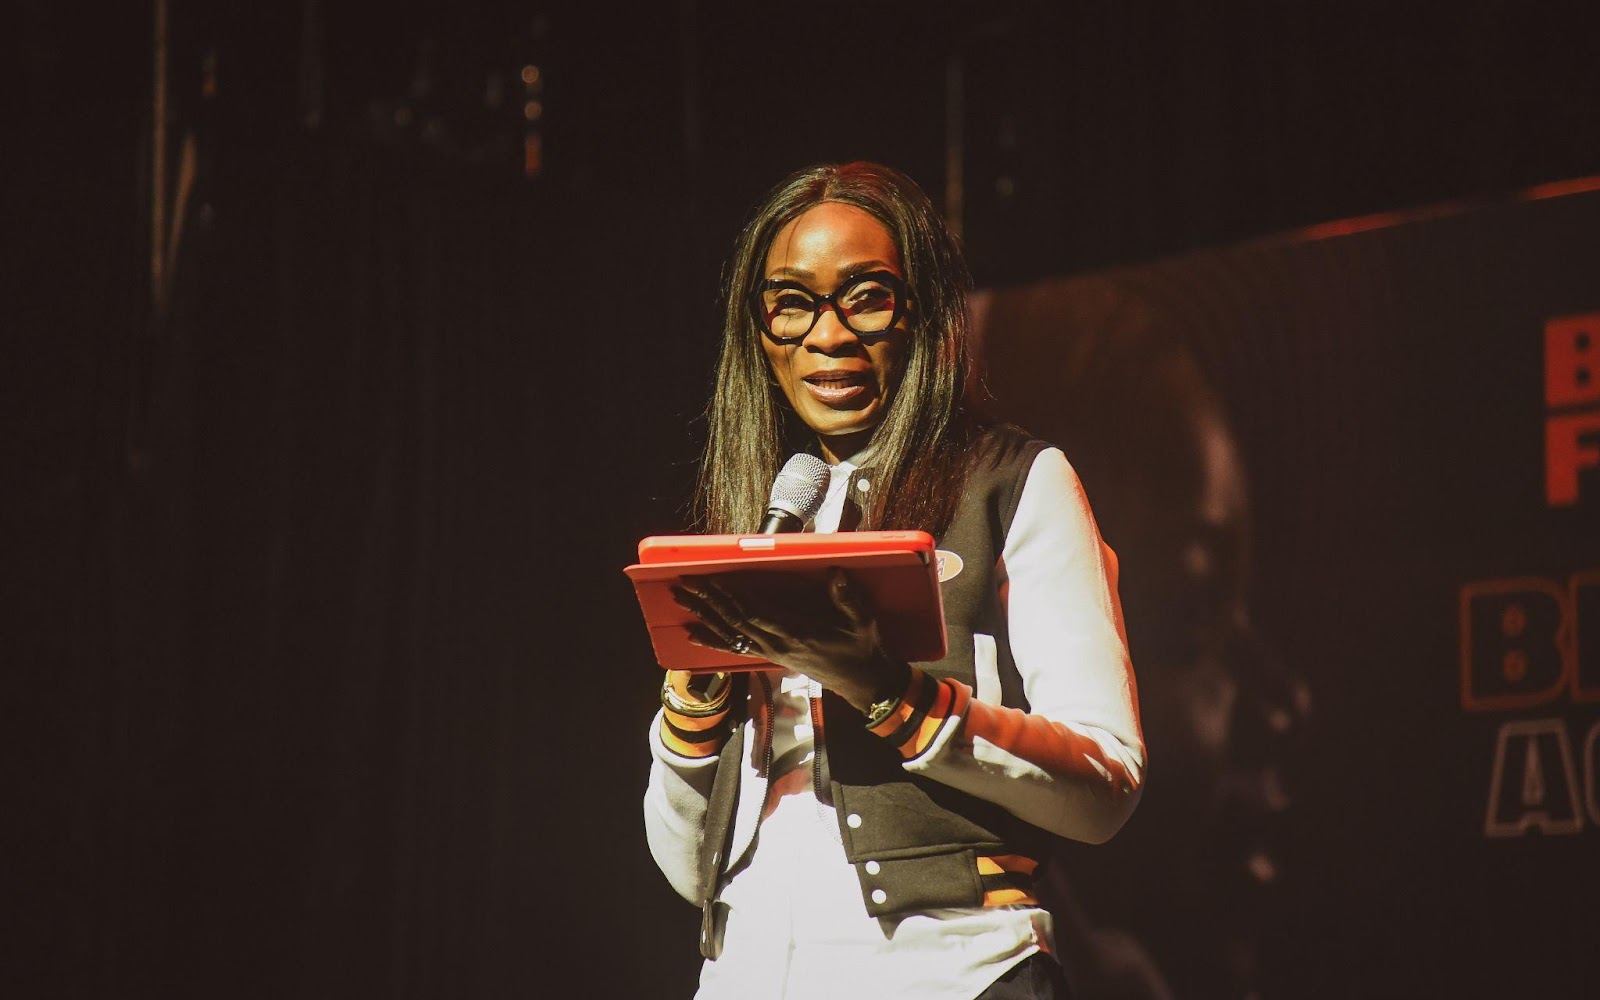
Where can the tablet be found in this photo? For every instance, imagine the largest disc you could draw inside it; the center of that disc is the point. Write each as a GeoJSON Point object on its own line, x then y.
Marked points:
{"type": "Point", "coordinates": [894, 572]}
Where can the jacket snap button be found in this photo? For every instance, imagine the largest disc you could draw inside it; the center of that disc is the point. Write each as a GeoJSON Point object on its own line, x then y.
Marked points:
{"type": "Point", "coordinates": [854, 820]}
{"type": "Point", "coordinates": [879, 896]}
{"type": "Point", "coordinates": [863, 485]}
{"type": "Point", "coordinates": [873, 867]}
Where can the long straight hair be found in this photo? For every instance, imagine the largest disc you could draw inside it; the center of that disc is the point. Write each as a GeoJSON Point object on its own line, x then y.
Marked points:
{"type": "Point", "coordinates": [922, 445]}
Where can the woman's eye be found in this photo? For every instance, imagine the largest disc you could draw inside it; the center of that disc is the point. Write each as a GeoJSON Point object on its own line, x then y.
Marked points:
{"type": "Point", "coordinates": [791, 302]}
{"type": "Point", "coordinates": [869, 298]}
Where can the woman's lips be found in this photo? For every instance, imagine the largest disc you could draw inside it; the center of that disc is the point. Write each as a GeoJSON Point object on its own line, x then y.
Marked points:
{"type": "Point", "coordinates": [834, 388]}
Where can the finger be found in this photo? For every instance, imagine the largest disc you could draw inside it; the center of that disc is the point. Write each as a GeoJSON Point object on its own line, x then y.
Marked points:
{"type": "Point", "coordinates": [700, 635]}
{"type": "Point", "coordinates": [712, 631]}
{"type": "Point", "coordinates": [732, 612]}
{"type": "Point", "coordinates": [715, 591]}
{"type": "Point", "coordinates": [696, 604]}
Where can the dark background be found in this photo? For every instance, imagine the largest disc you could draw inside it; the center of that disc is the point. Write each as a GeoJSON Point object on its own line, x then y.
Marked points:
{"type": "Point", "coordinates": [324, 680]}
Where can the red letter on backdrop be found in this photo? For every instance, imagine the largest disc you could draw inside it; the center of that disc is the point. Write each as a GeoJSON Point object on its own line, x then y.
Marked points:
{"type": "Point", "coordinates": [1566, 452]}
{"type": "Point", "coordinates": [1571, 360]}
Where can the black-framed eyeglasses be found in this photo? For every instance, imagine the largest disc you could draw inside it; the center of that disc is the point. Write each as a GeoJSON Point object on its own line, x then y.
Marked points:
{"type": "Point", "coordinates": [866, 304]}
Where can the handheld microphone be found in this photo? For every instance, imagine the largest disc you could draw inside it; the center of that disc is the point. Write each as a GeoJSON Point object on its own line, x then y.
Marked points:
{"type": "Point", "coordinates": [796, 494]}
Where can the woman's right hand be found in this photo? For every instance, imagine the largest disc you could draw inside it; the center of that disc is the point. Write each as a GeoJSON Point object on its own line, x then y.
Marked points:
{"type": "Point", "coordinates": [834, 641]}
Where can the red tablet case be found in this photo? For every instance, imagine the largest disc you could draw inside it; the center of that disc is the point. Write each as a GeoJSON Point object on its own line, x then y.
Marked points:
{"type": "Point", "coordinates": [894, 572]}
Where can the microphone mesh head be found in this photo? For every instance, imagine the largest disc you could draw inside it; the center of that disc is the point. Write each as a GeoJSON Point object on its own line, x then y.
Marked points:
{"type": "Point", "coordinates": [800, 486]}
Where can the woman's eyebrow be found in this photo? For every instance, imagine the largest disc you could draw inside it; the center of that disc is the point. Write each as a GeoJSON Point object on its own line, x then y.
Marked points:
{"type": "Point", "coordinates": [849, 270]}
{"type": "Point", "coordinates": [864, 267]}
{"type": "Point", "coordinates": [791, 272]}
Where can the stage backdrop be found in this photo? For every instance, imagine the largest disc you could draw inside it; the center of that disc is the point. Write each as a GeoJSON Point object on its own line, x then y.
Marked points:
{"type": "Point", "coordinates": [1354, 478]}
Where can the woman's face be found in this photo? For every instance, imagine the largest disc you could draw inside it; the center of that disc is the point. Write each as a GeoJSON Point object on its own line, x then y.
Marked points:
{"type": "Point", "coordinates": [838, 381]}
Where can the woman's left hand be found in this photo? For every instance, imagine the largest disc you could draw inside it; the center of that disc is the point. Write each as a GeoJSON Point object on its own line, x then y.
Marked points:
{"type": "Point", "coordinates": [834, 641]}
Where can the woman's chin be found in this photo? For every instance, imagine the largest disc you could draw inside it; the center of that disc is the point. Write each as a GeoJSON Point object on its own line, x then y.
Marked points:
{"type": "Point", "coordinates": [842, 423]}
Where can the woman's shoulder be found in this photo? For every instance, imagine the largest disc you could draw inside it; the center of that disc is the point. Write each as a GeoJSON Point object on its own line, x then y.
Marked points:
{"type": "Point", "coordinates": [1000, 459]}
{"type": "Point", "coordinates": [1005, 446]}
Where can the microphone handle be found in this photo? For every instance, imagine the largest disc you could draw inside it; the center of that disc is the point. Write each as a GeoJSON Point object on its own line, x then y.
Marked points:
{"type": "Point", "coordinates": [779, 521]}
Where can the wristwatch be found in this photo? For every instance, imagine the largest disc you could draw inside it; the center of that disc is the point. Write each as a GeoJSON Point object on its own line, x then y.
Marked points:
{"type": "Point", "coordinates": [882, 709]}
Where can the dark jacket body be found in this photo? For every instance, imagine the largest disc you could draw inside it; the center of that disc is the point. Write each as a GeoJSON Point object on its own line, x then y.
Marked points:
{"type": "Point", "coordinates": [914, 842]}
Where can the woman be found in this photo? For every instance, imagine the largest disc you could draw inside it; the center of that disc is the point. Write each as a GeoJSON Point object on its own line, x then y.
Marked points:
{"type": "Point", "coordinates": [850, 824]}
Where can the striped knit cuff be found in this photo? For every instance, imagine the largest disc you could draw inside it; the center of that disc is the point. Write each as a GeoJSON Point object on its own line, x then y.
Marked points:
{"type": "Point", "coordinates": [1007, 880]}
{"type": "Point", "coordinates": [928, 705]}
{"type": "Point", "coordinates": [694, 736]}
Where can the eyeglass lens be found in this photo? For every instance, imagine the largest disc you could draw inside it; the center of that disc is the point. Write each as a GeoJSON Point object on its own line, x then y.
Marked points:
{"type": "Point", "coordinates": [865, 305]}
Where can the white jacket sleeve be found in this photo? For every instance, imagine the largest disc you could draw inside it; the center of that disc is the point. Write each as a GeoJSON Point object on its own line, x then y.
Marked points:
{"type": "Point", "coordinates": [675, 811]}
{"type": "Point", "coordinates": [1074, 762]}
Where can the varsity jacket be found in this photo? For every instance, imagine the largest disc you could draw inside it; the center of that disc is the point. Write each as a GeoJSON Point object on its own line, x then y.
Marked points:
{"type": "Point", "coordinates": [907, 793]}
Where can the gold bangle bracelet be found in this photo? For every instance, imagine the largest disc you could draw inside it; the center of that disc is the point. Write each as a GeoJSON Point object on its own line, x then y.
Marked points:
{"type": "Point", "coordinates": [676, 703]}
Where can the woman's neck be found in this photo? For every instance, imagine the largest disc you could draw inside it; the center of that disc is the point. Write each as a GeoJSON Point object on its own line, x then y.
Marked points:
{"type": "Point", "coordinates": [844, 447]}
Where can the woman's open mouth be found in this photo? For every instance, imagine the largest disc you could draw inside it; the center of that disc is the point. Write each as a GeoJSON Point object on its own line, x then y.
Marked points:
{"type": "Point", "coordinates": [837, 387]}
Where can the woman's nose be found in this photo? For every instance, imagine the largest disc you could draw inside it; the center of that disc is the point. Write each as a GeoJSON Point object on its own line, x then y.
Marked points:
{"type": "Point", "coordinates": [830, 334]}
